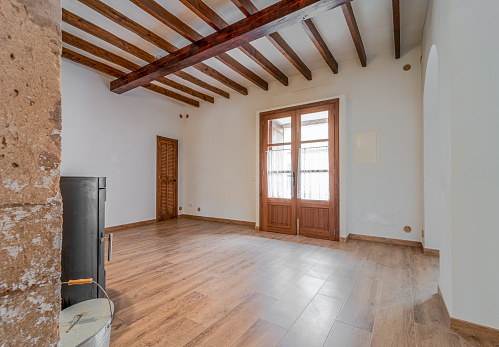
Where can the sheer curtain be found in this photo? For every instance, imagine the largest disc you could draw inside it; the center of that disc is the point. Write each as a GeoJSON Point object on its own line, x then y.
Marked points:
{"type": "Point", "coordinates": [313, 173]}
{"type": "Point", "coordinates": [279, 173]}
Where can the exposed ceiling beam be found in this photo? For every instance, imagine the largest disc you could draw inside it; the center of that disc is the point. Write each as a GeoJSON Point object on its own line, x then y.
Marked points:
{"type": "Point", "coordinates": [290, 54]}
{"type": "Point", "coordinates": [88, 47]}
{"type": "Point", "coordinates": [120, 19]}
{"type": "Point", "coordinates": [111, 71]}
{"type": "Point", "coordinates": [320, 44]}
{"type": "Point", "coordinates": [262, 23]}
{"type": "Point", "coordinates": [243, 70]}
{"type": "Point", "coordinates": [156, 40]}
{"type": "Point", "coordinates": [396, 26]}
{"type": "Point", "coordinates": [354, 31]}
{"type": "Point", "coordinates": [216, 22]}
{"type": "Point", "coordinates": [247, 7]}
{"type": "Point", "coordinates": [92, 29]}
{"type": "Point", "coordinates": [174, 23]}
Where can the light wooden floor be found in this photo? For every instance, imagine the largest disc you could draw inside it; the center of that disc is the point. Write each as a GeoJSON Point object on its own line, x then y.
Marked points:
{"type": "Point", "coordinates": [196, 283]}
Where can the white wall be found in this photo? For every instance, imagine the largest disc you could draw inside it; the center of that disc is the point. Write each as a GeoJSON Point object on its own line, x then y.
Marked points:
{"type": "Point", "coordinates": [468, 89]}
{"type": "Point", "coordinates": [475, 161]}
{"type": "Point", "coordinates": [105, 134]}
{"type": "Point", "coordinates": [437, 160]}
{"type": "Point", "coordinates": [437, 32]}
{"type": "Point", "coordinates": [220, 142]}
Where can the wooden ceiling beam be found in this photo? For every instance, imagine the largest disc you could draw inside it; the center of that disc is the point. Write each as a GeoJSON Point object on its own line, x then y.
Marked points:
{"type": "Point", "coordinates": [243, 70]}
{"type": "Point", "coordinates": [174, 23]}
{"type": "Point", "coordinates": [205, 12]}
{"type": "Point", "coordinates": [264, 63]}
{"type": "Point", "coordinates": [283, 47]}
{"type": "Point", "coordinates": [168, 19]}
{"type": "Point", "coordinates": [97, 51]}
{"type": "Point", "coordinates": [122, 20]}
{"type": "Point", "coordinates": [111, 71]}
{"type": "Point", "coordinates": [320, 44]}
{"type": "Point", "coordinates": [262, 23]}
{"type": "Point", "coordinates": [156, 40]}
{"type": "Point", "coordinates": [354, 31]}
{"type": "Point", "coordinates": [216, 22]}
{"type": "Point", "coordinates": [396, 26]}
{"type": "Point", "coordinates": [92, 29]}
{"type": "Point", "coordinates": [248, 9]}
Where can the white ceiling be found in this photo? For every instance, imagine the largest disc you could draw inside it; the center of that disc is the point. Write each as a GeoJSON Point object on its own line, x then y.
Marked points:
{"type": "Point", "coordinates": [374, 18]}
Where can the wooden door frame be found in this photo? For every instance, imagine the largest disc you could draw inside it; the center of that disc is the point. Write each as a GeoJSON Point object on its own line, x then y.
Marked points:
{"type": "Point", "coordinates": [335, 165]}
{"type": "Point", "coordinates": [158, 174]}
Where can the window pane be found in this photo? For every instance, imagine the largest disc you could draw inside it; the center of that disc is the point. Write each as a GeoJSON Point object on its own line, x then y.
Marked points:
{"type": "Point", "coordinates": [280, 130]}
{"type": "Point", "coordinates": [279, 173]}
{"type": "Point", "coordinates": [314, 126]}
{"type": "Point", "coordinates": [313, 173]}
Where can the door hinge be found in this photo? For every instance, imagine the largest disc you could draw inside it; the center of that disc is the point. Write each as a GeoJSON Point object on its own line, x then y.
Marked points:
{"type": "Point", "coordinates": [297, 227]}
{"type": "Point", "coordinates": [263, 122]}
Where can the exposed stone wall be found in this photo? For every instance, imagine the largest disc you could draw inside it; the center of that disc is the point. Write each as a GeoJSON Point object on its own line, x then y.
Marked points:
{"type": "Point", "coordinates": [30, 152]}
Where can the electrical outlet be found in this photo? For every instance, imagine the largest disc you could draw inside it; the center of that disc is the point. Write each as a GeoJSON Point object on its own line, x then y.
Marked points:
{"type": "Point", "coordinates": [191, 205]}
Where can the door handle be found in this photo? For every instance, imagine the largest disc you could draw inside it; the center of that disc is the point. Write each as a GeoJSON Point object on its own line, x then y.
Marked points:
{"type": "Point", "coordinates": [294, 179]}
{"type": "Point", "coordinates": [110, 248]}
{"type": "Point", "coordinates": [174, 180]}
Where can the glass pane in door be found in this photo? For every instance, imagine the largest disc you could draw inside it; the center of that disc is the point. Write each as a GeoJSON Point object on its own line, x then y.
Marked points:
{"type": "Point", "coordinates": [313, 171]}
{"type": "Point", "coordinates": [279, 172]}
{"type": "Point", "coordinates": [314, 126]}
{"type": "Point", "coordinates": [280, 130]}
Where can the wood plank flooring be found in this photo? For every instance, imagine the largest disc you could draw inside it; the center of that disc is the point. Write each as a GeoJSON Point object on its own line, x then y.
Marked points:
{"type": "Point", "coordinates": [197, 283]}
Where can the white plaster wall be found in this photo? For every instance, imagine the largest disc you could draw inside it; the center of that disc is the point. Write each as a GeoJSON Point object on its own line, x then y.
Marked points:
{"type": "Point", "coordinates": [437, 32]}
{"type": "Point", "coordinates": [475, 161]}
{"type": "Point", "coordinates": [437, 165]}
{"type": "Point", "coordinates": [468, 89]}
{"type": "Point", "coordinates": [105, 134]}
{"type": "Point", "coordinates": [220, 141]}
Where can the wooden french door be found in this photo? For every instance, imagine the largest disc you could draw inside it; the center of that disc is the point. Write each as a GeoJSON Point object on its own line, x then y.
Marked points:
{"type": "Point", "coordinates": [167, 175]}
{"type": "Point", "coordinates": [299, 160]}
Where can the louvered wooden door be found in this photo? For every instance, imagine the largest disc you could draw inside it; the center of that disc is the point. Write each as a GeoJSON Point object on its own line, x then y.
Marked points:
{"type": "Point", "coordinates": [167, 185]}
{"type": "Point", "coordinates": [299, 190]}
